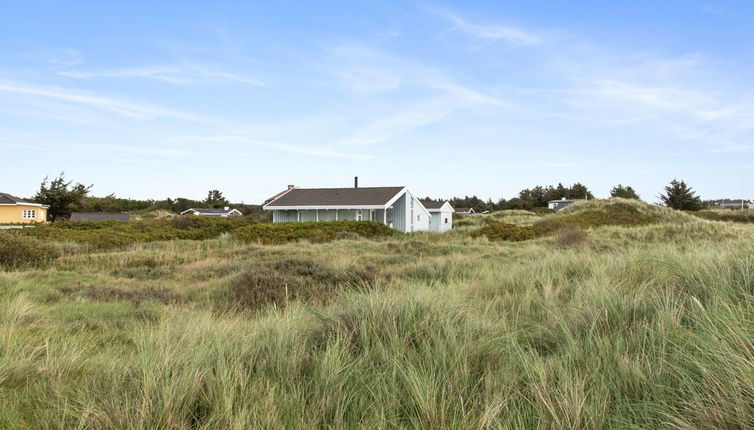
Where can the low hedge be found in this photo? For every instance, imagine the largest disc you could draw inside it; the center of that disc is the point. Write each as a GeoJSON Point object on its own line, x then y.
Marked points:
{"type": "Point", "coordinates": [312, 231]}
{"type": "Point", "coordinates": [17, 251]}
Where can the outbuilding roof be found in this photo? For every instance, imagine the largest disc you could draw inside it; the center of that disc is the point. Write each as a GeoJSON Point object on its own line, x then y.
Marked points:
{"type": "Point", "coordinates": [433, 206]}
{"type": "Point", "coordinates": [366, 196]}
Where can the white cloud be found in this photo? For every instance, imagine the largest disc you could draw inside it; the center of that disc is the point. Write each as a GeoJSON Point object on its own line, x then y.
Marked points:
{"type": "Point", "coordinates": [185, 74]}
{"type": "Point", "coordinates": [490, 33]}
{"type": "Point", "coordinates": [296, 149]}
{"type": "Point", "coordinates": [124, 108]}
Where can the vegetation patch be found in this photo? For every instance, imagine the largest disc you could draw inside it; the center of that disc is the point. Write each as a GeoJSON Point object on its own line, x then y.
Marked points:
{"type": "Point", "coordinates": [311, 231]}
{"type": "Point", "coordinates": [585, 216]}
{"type": "Point", "coordinates": [618, 214]}
{"type": "Point", "coordinates": [570, 237]}
{"type": "Point", "coordinates": [17, 251]}
{"type": "Point", "coordinates": [729, 216]}
{"type": "Point", "coordinates": [503, 231]}
{"type": "Point", "coordinates": [116, 294]}
{"type": "Point", "coordinates": [116, 234]}
{"type": "Point", "coordinates": [278, 282]}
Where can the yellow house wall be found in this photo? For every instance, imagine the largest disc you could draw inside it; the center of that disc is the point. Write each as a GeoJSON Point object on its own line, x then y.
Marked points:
{"type": "Point", "coordinates": [14, 214]}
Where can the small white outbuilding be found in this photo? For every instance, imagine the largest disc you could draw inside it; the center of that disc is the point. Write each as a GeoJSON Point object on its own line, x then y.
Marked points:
{"type": "Point", "coordinates": [442, 215]}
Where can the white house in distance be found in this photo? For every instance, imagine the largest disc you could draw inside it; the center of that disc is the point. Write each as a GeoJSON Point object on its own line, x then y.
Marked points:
{"type": "Point", "coordinates": [396, 207]}
{"type": "Point", "coordinates": [465, 211]}
{"type": "Point", "coordinates": [223, 213]}
{"type": "Point", "coordinates": [559, 204]}
{"type": "Point", "coordinates": [442, 216]}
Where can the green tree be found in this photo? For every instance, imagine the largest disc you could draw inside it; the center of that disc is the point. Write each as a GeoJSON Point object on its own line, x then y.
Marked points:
{"type": "Point", "coordinates": [215, 199]}
{"type": "Point", "coordinates": [62, 196]}
{"type": "Point", "coordinates": [626, 192]}
{"type": "Point", "coordinates": [680, 196]}
{"type": "Point", "coordinates": [579, 191]}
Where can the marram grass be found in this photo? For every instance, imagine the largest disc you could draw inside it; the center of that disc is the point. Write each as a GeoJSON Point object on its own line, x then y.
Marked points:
{"type": "Point", "coordinates": [632, 327]}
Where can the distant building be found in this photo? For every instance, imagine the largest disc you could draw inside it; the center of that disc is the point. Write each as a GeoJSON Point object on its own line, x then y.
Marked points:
{"type": "Point", "coordinates": [559, 204]}
{"type": "Point", "coordinates": [465, 211]}
{"type": "Point", "coordinates": [222, 213]}
{"type": "Point", "coordinates": [441, 216]}
{"type": "Point", "coordinates": [733, 205]}
{"type": "Point", "coordinates": [14, 210]}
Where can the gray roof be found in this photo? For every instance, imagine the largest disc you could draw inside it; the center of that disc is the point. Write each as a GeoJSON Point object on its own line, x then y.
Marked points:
{"type": "Point", "coordinates": [562, 201]}
{"type": "Point", "coordinates": [367, 196]}
{"type": "Point", "coordinates": [9, 199]}
{"type": "Point", "coordinates": [6, 199]}
{"type": "Point", "coordinates": [99, 216]}
{"type": "Point", "coordinates": [433, 205]}
{"type": "Point", "coordinates": [463, 210]}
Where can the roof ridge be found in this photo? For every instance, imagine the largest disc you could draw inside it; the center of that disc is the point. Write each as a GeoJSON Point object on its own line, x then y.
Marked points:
{"type": "Point", "coordinates": [349, 188]}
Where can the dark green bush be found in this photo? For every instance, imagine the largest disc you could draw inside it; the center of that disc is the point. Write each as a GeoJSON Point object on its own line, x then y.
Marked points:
{"type": "Point", "coordinates": [18, 251]}
{"type": "Point", "coordinates": [312, 231]}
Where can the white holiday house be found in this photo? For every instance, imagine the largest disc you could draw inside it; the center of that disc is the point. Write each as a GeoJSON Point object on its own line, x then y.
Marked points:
{"type": "Point", "coordinates": [394, 206]}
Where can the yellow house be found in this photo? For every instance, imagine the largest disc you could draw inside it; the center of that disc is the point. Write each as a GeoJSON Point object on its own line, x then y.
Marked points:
{"type": "Point", "coordinates": [16, 211]}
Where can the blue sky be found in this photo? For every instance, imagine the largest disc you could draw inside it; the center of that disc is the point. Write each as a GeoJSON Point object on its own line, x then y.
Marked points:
{"type": "Point", "coordinates": [158, 99]}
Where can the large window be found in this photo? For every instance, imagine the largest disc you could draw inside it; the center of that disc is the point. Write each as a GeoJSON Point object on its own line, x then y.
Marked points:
{"type": "Point", "coordinates": [29, 214]}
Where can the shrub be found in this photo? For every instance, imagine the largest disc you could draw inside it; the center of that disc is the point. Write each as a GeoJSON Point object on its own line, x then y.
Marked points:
{"type": "Point", "coordinates": [277, 282]}
{"type": "Point", "coordinates": [254, 288]}
{"type": "Point", "coordinates": [569, 237]}
{"type": "Point", "coordinates": [18, 251]}
{"type": "Point", "coordinates": [312, 231]}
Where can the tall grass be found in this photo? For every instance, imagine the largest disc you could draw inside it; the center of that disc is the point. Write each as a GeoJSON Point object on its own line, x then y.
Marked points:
{"type": "Point", "coordinates": [629, 329]}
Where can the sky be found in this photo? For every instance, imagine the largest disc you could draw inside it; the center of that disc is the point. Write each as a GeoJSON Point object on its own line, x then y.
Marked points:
{"type": "Point", "coordinates": [174, 98]}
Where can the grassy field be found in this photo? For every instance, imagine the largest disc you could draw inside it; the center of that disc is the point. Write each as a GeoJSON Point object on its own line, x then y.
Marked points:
{"type": "Point", "coordinates": [627, 316]}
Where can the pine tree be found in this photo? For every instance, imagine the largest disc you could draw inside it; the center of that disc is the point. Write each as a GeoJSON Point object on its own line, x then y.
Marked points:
{"type": "Point", "coordinates": [61, 196]}
{"type": "Point", "coordinates": [626, 192]}
{"type": "Point", "coordinates": [680, 196]}
{"type": "Point", "coordinates": [215, 199]}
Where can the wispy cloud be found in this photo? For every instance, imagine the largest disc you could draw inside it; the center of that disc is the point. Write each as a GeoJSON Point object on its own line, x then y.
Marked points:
{"type": "Point", "coordinates": [129, 109]}
{"type": "Point", "coordinates": [420, 94]}
{"type": "Point", "coordinates": [296, 149]}
{"type": "Point", "coordinates": [186, 74]}
{"type": "Point", "coordinates": [490, 32]}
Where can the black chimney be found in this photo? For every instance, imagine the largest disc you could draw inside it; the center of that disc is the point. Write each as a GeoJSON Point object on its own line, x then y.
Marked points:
{"type": "Point", "coordinates": [356, 182]}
